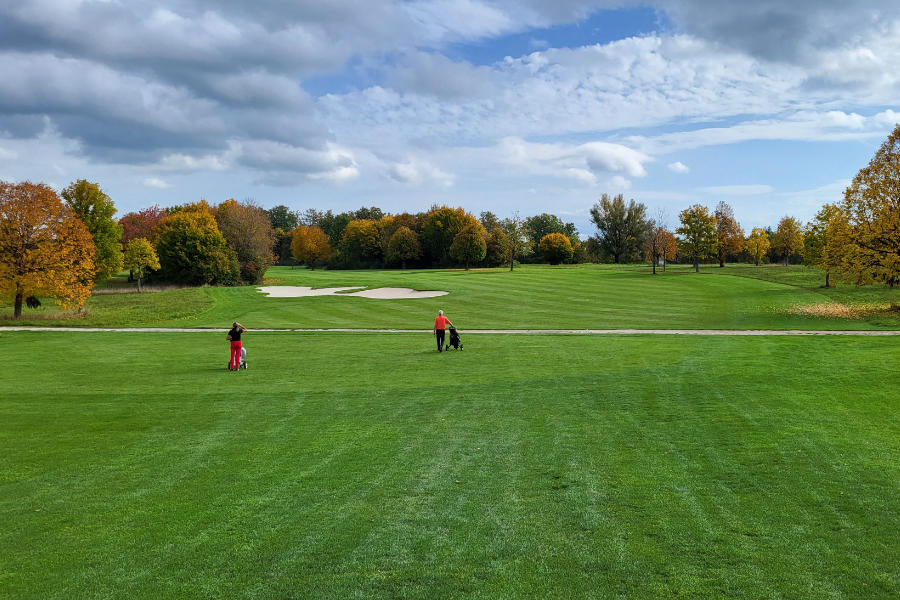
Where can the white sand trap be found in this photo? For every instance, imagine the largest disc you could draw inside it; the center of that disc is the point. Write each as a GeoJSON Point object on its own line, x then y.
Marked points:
{"type": "Point", "coordinates": [387, 293]}
{"type": "Point", "coordinates": [392, 293]}
{"type": "Point", "coordinates": [301, 291]}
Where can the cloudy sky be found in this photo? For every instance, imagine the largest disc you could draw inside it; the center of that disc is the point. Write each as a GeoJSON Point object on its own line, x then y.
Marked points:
{"type": "Point", "coordinates": [501, 105]}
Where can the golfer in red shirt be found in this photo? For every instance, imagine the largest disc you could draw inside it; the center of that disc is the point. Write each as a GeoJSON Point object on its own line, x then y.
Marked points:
{"type": "Point", "coordinates": [440, 326]}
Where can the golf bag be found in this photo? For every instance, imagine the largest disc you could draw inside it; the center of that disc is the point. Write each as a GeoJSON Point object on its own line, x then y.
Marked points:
{"type": "Point", "coordinates": [454, 340]}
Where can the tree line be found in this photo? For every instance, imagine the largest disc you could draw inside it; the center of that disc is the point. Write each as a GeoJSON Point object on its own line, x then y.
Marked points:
{"type": "Point", "coordinates": [62, 245]}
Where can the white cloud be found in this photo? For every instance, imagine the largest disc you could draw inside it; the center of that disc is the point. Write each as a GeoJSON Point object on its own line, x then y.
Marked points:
{"type": "Point", "coordinates": [156, 182]}
{"type": "Point", "coordinates": [416, 172]}
{"type": "Point", "coordinates": [739, 190]}
{"type": "Point", "coordinates": [808, 126]}
{"type": "Point", "coordinates": [678, 167]}
{"type": "Point", "coordinates": [583, 162]}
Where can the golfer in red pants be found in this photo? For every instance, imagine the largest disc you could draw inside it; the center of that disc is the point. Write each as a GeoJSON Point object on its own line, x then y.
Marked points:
{"type": "Point", "coordinates": [234, 336]}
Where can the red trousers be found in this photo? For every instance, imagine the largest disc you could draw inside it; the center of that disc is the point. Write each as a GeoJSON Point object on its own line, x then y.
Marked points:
{"type": "Point", "coordinates": [235, 360]}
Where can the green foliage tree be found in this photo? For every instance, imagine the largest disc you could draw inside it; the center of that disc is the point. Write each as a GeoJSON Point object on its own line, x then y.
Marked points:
{"type": "Point", "coordinates": [96, 210]}
{"type": "Point", "coordinates": [468, 245]}
{"type": "Point", "coordinates": [439, 228]}
{"type": "Point", "coordinates": [556, 248]}
{"type": "Point", "coordinates": [249, 233]}
{"type": "Point", "coordinates": [517, 234]}
{"type": "Point", "coordinates": [192, 250]}
{"type": "Point", "coordinates": [698, 234]}
{"type": "Point", "coordinates": [139, 257]}
{"type": "Point", "coordinates": [282, 217]}
{"type": "Point", "coordinates": [729, 234]}
{"type": "Point", "coordinates": [540, 225]}
{"type": "Point", "coordinates": [872, 206]}
{"type": "Point", "coordinates": [488, 220]}
{"type": "Point", "coordinates": [403, 246]}
{"type": "Point", "coordinates": [361, 243]}
{"type": "Point", "coordinates": [310, 245]}
{"type": "Point", "coordinates": [45, 248]}
{"type": "Point", "coordinates": [498, 246]}
{"type": "Point", "coordinates": [757, 244]}
{"type": "Point", "coordinates": [788, 238]}
{"type": "Point", "coordinates": [621, 228]}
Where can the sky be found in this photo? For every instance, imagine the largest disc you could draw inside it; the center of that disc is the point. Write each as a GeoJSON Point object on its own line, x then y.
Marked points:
{"type": "Point", "coordinates": [508, 106]}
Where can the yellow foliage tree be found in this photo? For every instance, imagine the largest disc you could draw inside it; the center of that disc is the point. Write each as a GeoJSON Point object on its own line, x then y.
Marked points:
{"type": "Point", "coordinates": [757, 244]}
{"type": "Point", "coordinates": [45, 249]}
{"type": "Point", "coordinates": [788, 238]}
{"type": "Point", "coordinates": [556, 248]}
{"type": "Point", "coordinates": [872, 206]}
{"type": "Point", "coordinates": [310, 245]}
{"type": "Point", "coordinates": [140, 256]}
{"type": "Point", "coordinates": [361, 242]}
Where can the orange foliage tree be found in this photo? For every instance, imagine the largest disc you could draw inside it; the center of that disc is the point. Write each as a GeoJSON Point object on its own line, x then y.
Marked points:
{"type": "Point", "coordinates": [310, 245]}
{"type": "Point", "coordinates": [45, 249]}
{"type": "Point", "coordinates": [249, 233]}
{"type": "Point", "coordinates": [729, 233]}
{"type": "Point", "coordinates": [659, 239]}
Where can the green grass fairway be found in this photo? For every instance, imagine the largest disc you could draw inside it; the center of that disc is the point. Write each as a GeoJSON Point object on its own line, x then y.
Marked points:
{"type": "Point", "coordinates": [369, 466]}
{"type": "Point", "coordinates": [535, 296]}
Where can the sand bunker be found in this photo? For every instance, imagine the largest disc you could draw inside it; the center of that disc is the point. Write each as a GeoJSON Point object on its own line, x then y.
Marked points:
{"type": "Point", "coordinates": [386, 293]}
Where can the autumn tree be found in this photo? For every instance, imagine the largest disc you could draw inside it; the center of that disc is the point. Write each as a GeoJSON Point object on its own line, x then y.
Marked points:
{"type": "Point", "coordinates": [543, 224]}
{"type": "Point", "coordinates": [96, 210]}
{"type": "Point", "coordinates": [141, 224]}
{"type": "Point", "coordinates": [788, 238]}
{"type": "Point", "coordinates": [517, 234]}
{"type": "Point", "coordinates": [698, 234]}
{"type": "Point", "coordinates": [655, 244]}
{"type": "Point", "coordinates": [556, 248]}
{"type": "Point", "coordinates": [468, 245]}
{"type": "Point", "coordinates": [820, 246]}
{"type": "Point", "coordinates": [872, 206]}
{"type": "Point", "coordinates": [757, 244]}
{"type": "Point", "coordinates": [361, 242]}
{"type": "Point", "coordinates": [403, 246]}
{"type": "Point", "coordinates": [729, 235]}
{"type": "Point", "coordinates": [192, 250]}
{"type": "Point", "coordinates": [669, 247]}
{"type": "Point", "coordinates": [248, 231]}
{"type": "Point", "coordinates": [45, 249]}
{"type": "Point", "coordinates": [310, 245]}
{"type": "Point", "coordinates": [497, 249]}
{"type": "Point", "coordinates": [439, 228]}
{"type": "Point", "coordinates": [139, 257]}
{"type": "Point", "coordinates": [621, 227]}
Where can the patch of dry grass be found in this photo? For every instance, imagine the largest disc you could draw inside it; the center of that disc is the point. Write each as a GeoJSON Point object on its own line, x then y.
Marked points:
{"type": "Point", "coordinates": [838, 310]}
